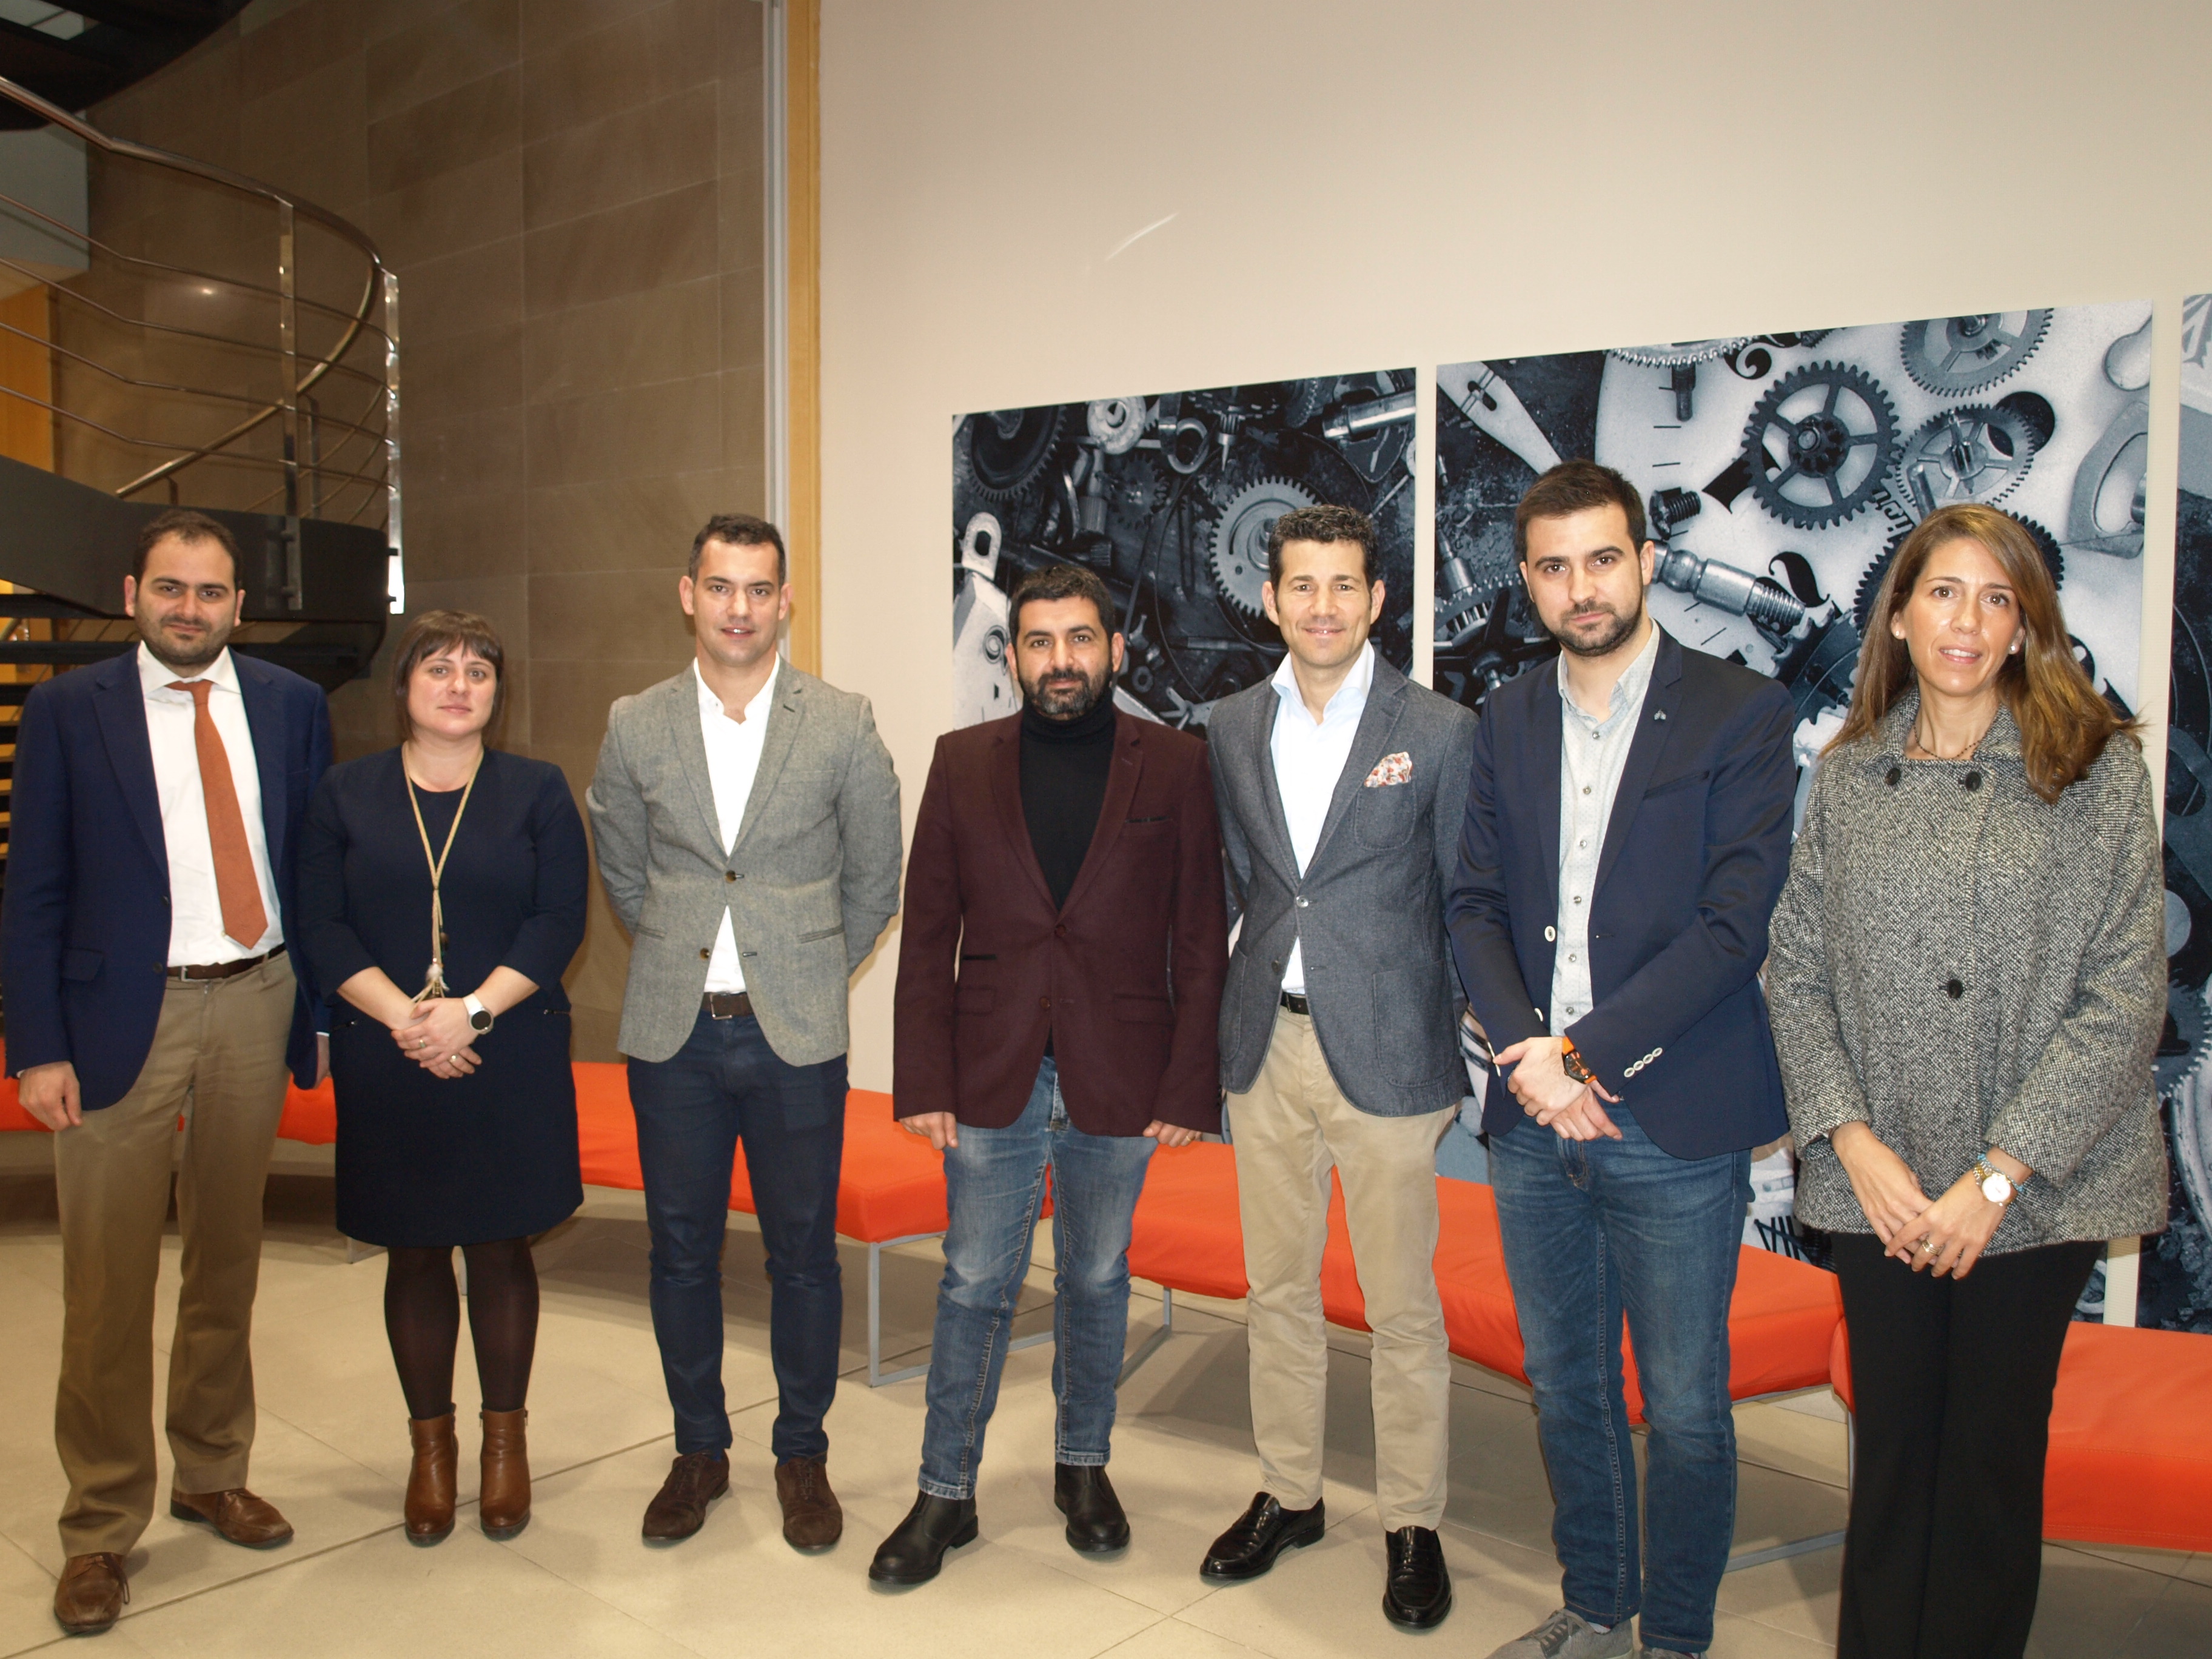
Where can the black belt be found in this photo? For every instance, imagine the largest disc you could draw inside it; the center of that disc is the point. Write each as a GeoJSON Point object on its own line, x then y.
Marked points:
{"type": "Point", "coordinates": [1297, 1004]}
{"type": "Point", "coordinates": [727, 1005]}
{"type": "Point", "coordinates": [222, 969]}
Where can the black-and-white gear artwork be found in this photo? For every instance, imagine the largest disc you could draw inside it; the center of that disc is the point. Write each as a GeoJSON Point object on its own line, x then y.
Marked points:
{"type": "Point", "coordinates": [1169, 500]}
{"type": "Point", "coordinates": [1955, 356]}
{"type": "Point", "coordinates": [1967, 454]}
{"type": "Point", "coordinates": [1817, 443]}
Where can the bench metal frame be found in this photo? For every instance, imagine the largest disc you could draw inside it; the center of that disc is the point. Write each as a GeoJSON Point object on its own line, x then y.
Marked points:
{"type": "Point", "coordinates": [878, 1376]}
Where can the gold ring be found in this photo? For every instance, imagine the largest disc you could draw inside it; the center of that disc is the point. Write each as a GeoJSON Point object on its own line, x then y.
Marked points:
{"type": "Point", "coordinates": [1928, 1244]}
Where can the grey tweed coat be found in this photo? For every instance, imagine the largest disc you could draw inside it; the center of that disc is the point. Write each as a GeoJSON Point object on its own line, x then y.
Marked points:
{"type": "Point", "coordinates": [1960, 964]}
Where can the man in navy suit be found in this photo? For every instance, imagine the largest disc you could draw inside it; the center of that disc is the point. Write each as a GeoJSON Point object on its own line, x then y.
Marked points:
{"type": "Point", "coordinates": [158, 802]}
{"type": "Point", "coordinates": [1626, 836]}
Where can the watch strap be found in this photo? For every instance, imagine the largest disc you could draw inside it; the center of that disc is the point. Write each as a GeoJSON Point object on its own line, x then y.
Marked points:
{"type": "Point", "coordinates": [1572, 1063]}
{"type": "Point", "coordinates": [480, 1018]}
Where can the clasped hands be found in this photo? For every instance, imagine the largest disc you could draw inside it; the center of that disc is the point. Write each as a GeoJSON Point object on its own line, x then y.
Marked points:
{"type": "Point", "coordinates": [942, 1130]}
{"type": "Point", "coordinates": [1946, 1235]}
{"type": "Point", "coordinates": [1572, 1110]}
{"type": "Point", "coordinates": [437, 1036]}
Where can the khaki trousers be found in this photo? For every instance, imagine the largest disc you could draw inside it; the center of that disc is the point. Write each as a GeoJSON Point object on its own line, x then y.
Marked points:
{"type": "Point", "coordinates": [1288, 1132]}
{"type": "Point", "coordinates": [218, 1060]}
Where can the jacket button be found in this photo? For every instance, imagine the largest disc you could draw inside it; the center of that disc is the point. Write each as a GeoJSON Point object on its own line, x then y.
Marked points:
{"type": "Point", "coordinates": [1972, 780]}
{"type": "Point", "coordinates": [1953, 989]}
{"type": "Point", "coordinates": [1301, 904]}
{"type": "Point", "coordinates": [1895, 773]}
{"type": "Point", "coordinates": [1551, 935]}
{"type": "Point", "coordinates": [1045, 1003]}
{"type": "Point", "coordinates": [729, 875]}
{"type": "Point", "coordinates": [1059, 930]}
{"type": "Point", "coordinates": [706, 954]}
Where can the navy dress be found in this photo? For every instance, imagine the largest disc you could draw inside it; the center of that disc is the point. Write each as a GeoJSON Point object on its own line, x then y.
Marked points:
{"type": "Point", "coordinates": [423, 1160]}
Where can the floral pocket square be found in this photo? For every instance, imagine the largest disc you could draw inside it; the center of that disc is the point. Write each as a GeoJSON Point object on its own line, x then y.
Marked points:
{"type": "Point", "coordinates": [1390, 769]}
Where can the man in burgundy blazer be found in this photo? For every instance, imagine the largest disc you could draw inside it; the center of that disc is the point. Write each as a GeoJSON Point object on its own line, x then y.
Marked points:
{"type": "Point", "coordinates": [1060, 978]}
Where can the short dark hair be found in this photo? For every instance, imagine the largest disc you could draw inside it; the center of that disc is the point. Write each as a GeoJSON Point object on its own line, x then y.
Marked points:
{"type": "Point", "coordinates": [1060, 581]}
{"type": "Point", "coordinates": [186, 525]}
{"type": "Point", "coordinates": [741, 530]}
{"type": "Point", "coordinates": [1324, 524]}
{"type": "Point", "coordinates": [435, 633]}
{"type": "Point", "coordinates": [1573, 487]}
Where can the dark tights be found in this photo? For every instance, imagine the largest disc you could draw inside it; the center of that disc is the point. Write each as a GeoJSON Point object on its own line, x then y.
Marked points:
{"type": "Point", "coordinates": [422, 1316]}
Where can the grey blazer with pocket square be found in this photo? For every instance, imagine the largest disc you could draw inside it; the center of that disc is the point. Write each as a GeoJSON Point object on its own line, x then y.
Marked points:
{"type": "Point", "coordinates": [1369, 908]}
{"type": "Point", "coordinates": [808, 886]}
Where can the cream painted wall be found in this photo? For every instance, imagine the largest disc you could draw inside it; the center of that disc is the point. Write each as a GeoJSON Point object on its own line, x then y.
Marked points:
{"type": "Point", "coordinates": [1424, 181]}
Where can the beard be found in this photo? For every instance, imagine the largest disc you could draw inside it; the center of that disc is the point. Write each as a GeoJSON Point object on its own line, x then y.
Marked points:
{"type": "Point", "coordinates": [186, 653]}
{"type": "Point", "coordinates": [1606, 640]}
{"type": "Point", "coordinates": [1067, 696]}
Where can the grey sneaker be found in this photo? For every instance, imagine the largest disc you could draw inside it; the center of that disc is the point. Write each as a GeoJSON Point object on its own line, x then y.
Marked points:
{"type": "Point", "coordinates": [1566, 1635]}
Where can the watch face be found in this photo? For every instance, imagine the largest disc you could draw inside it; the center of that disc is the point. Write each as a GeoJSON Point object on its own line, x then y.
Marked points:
{"type": "Point", "coordinates": [482, 1022]}
{"type": "Point", "coordinates": [1996, 1187]}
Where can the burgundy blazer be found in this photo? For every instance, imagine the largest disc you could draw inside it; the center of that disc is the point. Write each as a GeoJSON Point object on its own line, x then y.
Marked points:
{"type": "Point", "coordinates": [1126, 980]}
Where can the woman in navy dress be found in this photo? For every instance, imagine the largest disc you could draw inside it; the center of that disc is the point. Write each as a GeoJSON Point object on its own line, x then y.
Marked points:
{"type": "Point", "coordinates": [456, 1104]}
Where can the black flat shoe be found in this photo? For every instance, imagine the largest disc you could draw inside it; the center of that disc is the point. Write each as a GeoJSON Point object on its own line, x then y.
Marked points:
{"type": "Point", "coordinates": [915, 1551]}
{"type": "Point", "coordinates": [1263, 1532]}
{"type": "Point", "coordinates": [1096, 1524]}
{"type": "Point", "coordinates": [1416, 1588]}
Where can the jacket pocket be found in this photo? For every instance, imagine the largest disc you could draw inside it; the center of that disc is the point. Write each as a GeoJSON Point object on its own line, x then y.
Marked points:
{"type": "Point", "coordinates": [1144, 1011]}
{"type": "Point", "coordinates": [1385, 817]}
{"type": "Point", "coordinates": [822, 933]}
{"type": "Point", "coordinates": [1410, 1010]}
{"type": "Point", "coordinates": [1683, 781]}
{"type": "Point", "coordinates": [975, 999]}
{"type": "Point", "coordinates": [82, 964]}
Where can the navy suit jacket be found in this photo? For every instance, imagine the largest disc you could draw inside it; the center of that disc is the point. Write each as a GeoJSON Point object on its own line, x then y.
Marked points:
{"type": "Point", "coordinates": [1694, 860]}
{"type": "Point", "coordinates": [84, 939]}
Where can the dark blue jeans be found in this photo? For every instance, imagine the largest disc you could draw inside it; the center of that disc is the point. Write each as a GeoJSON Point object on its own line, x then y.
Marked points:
{"type": "Point", "coordinates": [725, 1083]}
{"type": "Point", "coordinates": [994, 1182]}
{"type": "Point", "coordinates": [1593, 1229]}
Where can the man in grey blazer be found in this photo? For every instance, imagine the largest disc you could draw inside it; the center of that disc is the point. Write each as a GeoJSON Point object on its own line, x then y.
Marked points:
{"type": "Point", "coordinates": [747, 818]}
{"type": "Point", "coordinates": [1340, 787]}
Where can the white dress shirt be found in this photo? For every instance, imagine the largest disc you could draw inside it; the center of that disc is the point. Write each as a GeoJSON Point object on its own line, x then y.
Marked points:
{"type": "Point", "coordinates": [1308, 759]}
{"type": "Point", "coordinates": [733, 753]}
{"type": "Point", "coordinates": [1592, 756]}
{"type": "Point", "coordinates": [196, 934]}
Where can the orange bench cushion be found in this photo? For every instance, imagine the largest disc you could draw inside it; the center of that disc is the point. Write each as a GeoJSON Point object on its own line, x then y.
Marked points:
{"type": "Point", "coordinates": [2130, 1459]}
{"type": "Point", "coordinates": [1186, 1234]}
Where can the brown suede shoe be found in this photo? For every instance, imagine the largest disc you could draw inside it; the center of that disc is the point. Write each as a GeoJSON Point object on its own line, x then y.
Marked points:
{"type": "Point", "coordinates": [505, 1506]}
{"type": "Point", "coordinates": [91, 1594]}
{"type": "Point", "coordinates": [430, 1482]}
{"type": "Point", "coordinates": [812, 1518]}
{"type": "Point", "coordinates": [237, 1514]}
{"type": "Point", "coordinates": [679, 1507]}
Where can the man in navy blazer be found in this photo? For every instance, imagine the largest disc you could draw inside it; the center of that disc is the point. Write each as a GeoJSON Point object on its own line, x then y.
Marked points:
{"type": "Point", "coordinates": [151, 880]}
{"type": "Point", "coordinates": [1627, 834]}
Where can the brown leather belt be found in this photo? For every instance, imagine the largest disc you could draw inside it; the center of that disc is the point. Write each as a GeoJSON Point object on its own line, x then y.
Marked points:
{"type": "Point", "coordinates": [727, 1004]}
{"type": "Point", "coordinates": [1297, 1004]}
{"type": "Point", "coordinates": [222, 969]}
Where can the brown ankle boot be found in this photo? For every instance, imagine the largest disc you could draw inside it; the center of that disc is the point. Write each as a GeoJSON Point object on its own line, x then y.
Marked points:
{"type": "Point", "coordinates": [430, 1482]}
{"type": "Point", "coordinates": [505, 1510]}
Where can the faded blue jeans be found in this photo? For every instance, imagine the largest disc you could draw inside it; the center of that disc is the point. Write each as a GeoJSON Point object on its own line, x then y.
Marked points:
{"type": "Point", "coordinates": [994, 1180]}
{"type": "Point", "coordinates": [1593, 1229]}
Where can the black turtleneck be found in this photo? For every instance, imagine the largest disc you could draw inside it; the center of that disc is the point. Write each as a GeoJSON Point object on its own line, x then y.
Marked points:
{"type": "Point", "coordinates": [1064, 768]}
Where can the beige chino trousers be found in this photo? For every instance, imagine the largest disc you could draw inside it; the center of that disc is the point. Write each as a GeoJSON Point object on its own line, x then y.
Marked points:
{"type": "Point", "coordinates": [218, 1060]}
{"type": "Point", "coordinates": [1288, 1132]}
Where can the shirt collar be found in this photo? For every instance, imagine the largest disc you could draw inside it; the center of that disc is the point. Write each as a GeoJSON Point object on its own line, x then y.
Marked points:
{"type": "Point", "coordinates": [711, 704]}
{"type": "Point", "coordinates": [154, 675]}
{"type": "Point", "coordinates": [1627, 691]}
{"type": "Point", "coordinates": [1350, 698]}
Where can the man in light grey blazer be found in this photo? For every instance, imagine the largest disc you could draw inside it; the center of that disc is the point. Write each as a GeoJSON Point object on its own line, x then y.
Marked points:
{"type": "Point", "coordinates": [747, 818]}
{"type": "Point", "coordinates": [1341, 786]}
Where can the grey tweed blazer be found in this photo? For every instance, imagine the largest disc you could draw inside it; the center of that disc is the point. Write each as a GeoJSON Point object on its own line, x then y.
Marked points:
{"type": "Point", "coordinates": [812, 882]}
{"type": "Point", "coordinates": [1961, 963]}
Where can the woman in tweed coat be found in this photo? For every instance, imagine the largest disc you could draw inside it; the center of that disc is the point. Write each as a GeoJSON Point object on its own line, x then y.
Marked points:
{"type": "Point", "coordinates": [1968, 981]}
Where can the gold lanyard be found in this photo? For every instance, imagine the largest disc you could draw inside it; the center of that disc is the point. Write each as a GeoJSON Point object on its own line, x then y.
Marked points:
{"type": "Point", "coordinates": [434, 986]}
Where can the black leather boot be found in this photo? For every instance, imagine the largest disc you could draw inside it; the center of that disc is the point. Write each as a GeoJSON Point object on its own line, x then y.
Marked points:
{"type": "Point", "coordinates": [1416, 1589]}
{"type": "Point", "coordinates": [1096, 1524]}
{"type": "Point", "coordinates": [915, 1550]}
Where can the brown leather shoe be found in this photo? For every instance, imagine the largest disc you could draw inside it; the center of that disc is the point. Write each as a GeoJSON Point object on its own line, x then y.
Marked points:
{"type": "Point", "coordinates": [91, 1594]}
{"type": "Point", "coordinates": [505, 1506]}
{"type": "Point", "coordinates": [237, 1514]}
{"type": "Point", "coordinates": [679, 1507]}
{"type": "Point", "coordinates": [812, 1518]}
{"type": "Point", "coordinates": [430, 1482]}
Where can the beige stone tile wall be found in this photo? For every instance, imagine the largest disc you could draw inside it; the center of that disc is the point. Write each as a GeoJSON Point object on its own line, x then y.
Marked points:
{"type": "Point", "coordinates": [571, 193]}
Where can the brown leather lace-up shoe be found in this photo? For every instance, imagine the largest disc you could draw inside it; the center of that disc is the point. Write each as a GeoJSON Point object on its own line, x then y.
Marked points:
{"type": "Point", "coordinates": [430, 1482]}
{"type": "Point", "coordinates": [237, 1514]}
{"type": "Point", "coordinates": [679, 1507]}
{"type": "Point", "coordinates": [91, 1594]}
{"type": "Point", "coordinates": [504, 1508]}
{"type": "Point", "coordinates": [812, 1518]}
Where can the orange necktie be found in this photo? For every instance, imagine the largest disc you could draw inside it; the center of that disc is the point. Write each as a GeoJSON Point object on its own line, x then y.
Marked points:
{"type": "Point", "coordinates": [244, 918]}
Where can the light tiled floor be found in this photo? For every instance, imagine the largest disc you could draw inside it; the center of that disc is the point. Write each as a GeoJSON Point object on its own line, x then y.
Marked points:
{"type": "Point", "coordinates": [332, 1453]}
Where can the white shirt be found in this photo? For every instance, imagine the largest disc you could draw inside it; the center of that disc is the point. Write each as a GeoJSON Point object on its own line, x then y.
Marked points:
{"type": "Point", "coordinates": [1592, 756]}
{"type": "Point", "coordinates": [1308, 759]}
{"type": "Point", "coordinates": [733, 753]}
{"type": "Point", "coordinates": [196, 934]}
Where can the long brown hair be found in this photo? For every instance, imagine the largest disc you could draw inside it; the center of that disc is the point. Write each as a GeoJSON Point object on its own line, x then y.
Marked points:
{"type": "Point", "coordinates": [2063, 724]}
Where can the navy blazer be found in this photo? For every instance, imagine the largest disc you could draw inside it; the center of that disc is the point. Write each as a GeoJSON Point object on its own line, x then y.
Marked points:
{"type": "Point", "coordinates": [84, 938]}
{"type": "Point", "coordinates": [1694, 857]}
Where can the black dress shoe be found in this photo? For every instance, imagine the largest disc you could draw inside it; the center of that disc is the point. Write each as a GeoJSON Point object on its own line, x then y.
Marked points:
{"type": "Point", "coordinates": [915, 1550]}
{"type": "Point", "coordinates": [1096, 1524]}
{"type": "Point", "coordinates": [1416, 1588]}
{"type": "Point", "coordinates": [1263, 1532]}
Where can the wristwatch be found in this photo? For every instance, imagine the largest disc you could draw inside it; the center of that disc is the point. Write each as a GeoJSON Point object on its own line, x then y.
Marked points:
{"type": "Point", "coordinates": [479, 1015]}
{"type": "Point", "coordinates": [1997, 1185]}
{"type": "Point", "coordinates": [1571, 1062]}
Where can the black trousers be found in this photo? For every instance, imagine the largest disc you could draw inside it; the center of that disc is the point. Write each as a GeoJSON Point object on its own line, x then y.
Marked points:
{"type": "Point", "coordinates": [1951, 1385]}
